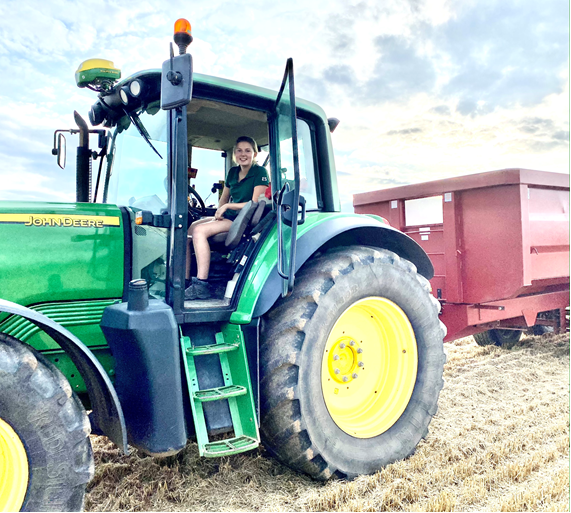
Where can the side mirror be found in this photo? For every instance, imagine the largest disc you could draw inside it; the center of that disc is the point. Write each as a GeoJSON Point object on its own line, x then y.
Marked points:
{"type": "Point", "coordinates": [176, 82]}
{"type": "Point", "coordinates": [60, 150]}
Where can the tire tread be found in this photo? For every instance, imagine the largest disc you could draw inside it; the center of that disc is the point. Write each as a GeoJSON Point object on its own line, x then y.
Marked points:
{"type": "Point", "coordinates": [30, 380]}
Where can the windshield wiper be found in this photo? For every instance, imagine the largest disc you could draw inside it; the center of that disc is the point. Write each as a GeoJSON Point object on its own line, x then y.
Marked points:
{"type": "Point", "coordinates": [142, 130]}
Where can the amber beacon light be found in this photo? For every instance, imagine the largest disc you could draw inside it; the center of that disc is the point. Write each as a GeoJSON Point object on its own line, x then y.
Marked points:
{"type": "Point", "coordinates": [182, 34]}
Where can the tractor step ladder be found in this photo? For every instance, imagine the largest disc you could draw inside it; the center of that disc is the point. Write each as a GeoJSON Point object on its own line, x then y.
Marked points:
{"type": "Point", "coordinates": [237, 390]}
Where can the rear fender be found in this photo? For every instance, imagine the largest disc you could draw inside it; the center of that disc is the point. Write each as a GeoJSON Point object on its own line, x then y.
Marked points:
{"type": "Point", "coordinates": [107, 411]}
{"type": "Point", "coordinates": [344, 231]}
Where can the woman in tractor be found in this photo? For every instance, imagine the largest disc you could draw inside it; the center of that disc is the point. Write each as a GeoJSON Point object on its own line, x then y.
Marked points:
{"type": "Point", "coordinates": [246, 181]}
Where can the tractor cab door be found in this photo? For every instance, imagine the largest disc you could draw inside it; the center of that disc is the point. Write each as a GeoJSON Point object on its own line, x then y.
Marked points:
{"type": "Point", "coordinates": [286, 179]}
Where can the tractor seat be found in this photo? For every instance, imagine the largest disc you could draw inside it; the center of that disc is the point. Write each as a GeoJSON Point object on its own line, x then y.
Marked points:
{"type": "Point", "coordinates": [249, 216]}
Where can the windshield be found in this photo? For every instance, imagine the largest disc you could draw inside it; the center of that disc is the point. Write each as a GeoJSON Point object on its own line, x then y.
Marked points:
{"type": "Point", "coordinates": [139, 175]}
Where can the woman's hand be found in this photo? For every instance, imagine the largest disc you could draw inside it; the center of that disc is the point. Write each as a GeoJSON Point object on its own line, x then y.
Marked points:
{"type": "Point", "coordinates": [219, 215]}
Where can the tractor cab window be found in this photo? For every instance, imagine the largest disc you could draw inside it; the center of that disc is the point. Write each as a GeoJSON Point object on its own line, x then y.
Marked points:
{"type": "Point", "coordinates": [307, 187]}
{"type": "Point", "coordinates": [138, 177]}
{"type": "Point", "coordinates": [213, 128]}
{"type": "Point", "coordinates": [137, 174]}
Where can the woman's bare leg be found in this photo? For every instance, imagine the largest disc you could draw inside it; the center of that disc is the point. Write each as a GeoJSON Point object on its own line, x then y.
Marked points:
{"type": "Point", "coordinates": [200, 235]}
{"type": "Point", "coordinates": [199, 222]}
{"type": "Point", "coordinates": [188, 246]}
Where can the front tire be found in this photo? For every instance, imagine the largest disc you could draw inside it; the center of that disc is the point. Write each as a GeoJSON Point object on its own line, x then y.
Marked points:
{"type": "Point", "coordinates": [44, 434]}
{"type": "Point", "coordinates": [325, 413]}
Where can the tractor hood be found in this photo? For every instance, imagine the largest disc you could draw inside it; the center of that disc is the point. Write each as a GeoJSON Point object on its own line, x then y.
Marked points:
{"type": "Point", "coordinates": [60, 251]}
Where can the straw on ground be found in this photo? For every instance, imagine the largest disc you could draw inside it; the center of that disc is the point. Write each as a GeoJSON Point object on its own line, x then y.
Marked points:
{"type": "Point", "coordinates": [499, 442]}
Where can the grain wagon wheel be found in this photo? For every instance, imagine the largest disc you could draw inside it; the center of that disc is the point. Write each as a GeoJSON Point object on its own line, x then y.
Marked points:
{"type": "Point", "coordinates": [502, 338]}
{"type": "Point", "coordinates": [44, 434]}
{"type": "Point", "coordinates": [351, 364]}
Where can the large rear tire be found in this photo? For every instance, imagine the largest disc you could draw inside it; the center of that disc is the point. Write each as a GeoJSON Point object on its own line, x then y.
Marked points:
{"type": "Point", "coordinates": [502, 338]}
{"type": "Point", "coordinates": [351, 364]}
{"type": "Point", "coordinates": [44, 434]}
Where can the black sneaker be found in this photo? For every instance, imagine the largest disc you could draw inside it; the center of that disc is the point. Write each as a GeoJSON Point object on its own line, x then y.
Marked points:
{"type": "Point", "coordinates": [198, 289]}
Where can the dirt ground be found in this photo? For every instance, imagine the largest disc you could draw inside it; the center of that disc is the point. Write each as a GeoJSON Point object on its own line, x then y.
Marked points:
{"type": "Point", "coordinates": [499, 442]}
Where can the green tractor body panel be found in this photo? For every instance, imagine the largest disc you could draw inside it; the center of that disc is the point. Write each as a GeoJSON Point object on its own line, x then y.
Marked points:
{"type": "Point", "coordinates": [73, 252]}
{"type": "Point", "coordinates": [265, 264]}
{"type": "Point", "coordinates": [82, 319]}
{"type": "Point", "coordinates": [319, 229]}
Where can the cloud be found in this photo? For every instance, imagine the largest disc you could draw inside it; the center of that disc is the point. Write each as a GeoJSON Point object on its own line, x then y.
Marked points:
{"type": "Point", "coordinates": [405, 131]}
{"type": "Point", "coordinates": [442, 110]}
{"type": "Point", "coordinates": [17, 182]}
{"type": "Point", "coordinates": [482, 55]}
{"type": "Point", "coordinates": [400, 71]}
{"type": "Point", "coordinates": [562, 135]}
{"type": "Point", "coordinates": [339, 74]}
{"type": "Point", "coordinates": [503, 53]}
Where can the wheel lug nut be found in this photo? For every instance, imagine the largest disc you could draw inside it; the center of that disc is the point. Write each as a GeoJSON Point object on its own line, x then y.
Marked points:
{"type": "Point", "coordinates": [342, 345]}
{"type": "Point", "coordinates": [360, 350]}
{"type": "Point", "coordinates": [336, 357]}
{"type": "Point", "coordinates": [352, 342]}
{"type": "Point", "coordinates": [361, 364]}
{"type": "Point", "coordinates": [337, 371]}
{"type": "Point", "coordinates": [355, 375]}
{"type": "Point", "coordinates": [345, 379]}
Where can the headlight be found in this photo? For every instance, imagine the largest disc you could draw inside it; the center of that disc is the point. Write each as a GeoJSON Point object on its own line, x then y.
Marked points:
{"type": "Point", "coordinates": [96, 114]}
{"type": "Point", "coordinates": [135, 87]}
{"type": "Point", "coordinates": [123, 95]}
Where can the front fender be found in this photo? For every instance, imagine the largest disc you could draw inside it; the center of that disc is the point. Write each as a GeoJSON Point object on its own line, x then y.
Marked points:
{"type": "Point", "coordinates": [107, 411]}
{"type": "Point", "coordinates": [333, 230]}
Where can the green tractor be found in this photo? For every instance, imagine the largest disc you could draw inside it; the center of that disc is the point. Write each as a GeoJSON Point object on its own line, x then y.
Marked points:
{"type": "Point", "coordinates": [322, 342]}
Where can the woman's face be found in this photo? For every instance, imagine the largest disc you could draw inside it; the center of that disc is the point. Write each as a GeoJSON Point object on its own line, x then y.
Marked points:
{"type": "Point", "coordinates": [244, 154]}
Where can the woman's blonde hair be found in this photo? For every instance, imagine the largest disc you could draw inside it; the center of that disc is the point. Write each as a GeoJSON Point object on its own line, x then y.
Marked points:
{"type": "Point", "coordinates": [251, 142]}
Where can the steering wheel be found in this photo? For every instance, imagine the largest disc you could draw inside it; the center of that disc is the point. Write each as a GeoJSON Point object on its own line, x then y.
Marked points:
{"type": "Point", "coordinates": [195, 212]}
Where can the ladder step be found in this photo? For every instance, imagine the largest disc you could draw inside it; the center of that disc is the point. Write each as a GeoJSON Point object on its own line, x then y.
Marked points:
{"type": "Point", "coordinates": [211, 349]}
{"type": "Point", "coordinates": [230, 446]}
{"type": "Point", "coordinates": [215, 394]}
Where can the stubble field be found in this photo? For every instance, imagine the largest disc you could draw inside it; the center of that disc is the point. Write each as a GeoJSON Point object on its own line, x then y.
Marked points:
{"type": "Point", "coordinates": [499, 442]}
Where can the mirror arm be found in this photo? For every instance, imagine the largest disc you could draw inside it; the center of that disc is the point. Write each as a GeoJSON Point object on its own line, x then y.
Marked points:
{"type": "Point", "coordinates": [102, 154]}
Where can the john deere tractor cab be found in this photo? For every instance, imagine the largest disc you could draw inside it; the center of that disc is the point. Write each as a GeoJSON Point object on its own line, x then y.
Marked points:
{"type": "Point", "coordinates": [322, 341]}
{"type": "Point", "coordinates": [143, 171]}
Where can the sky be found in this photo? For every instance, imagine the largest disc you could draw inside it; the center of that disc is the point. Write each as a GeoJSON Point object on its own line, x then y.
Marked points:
{"type": "Point", "coordinates": [424, 89]}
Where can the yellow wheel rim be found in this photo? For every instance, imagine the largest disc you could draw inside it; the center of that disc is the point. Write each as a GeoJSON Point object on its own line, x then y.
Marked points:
{"type": "Point", "coordinates": [13, 469]}
{"type": "Point", "coordinates": [369, 367]}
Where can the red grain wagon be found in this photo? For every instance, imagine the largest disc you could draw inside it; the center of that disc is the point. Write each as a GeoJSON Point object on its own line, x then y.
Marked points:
{"type": "Point", "coordinates": [499, 243]}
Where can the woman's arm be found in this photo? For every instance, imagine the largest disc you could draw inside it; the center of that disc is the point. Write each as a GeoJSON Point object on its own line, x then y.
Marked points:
{"type": "Point", "coordinates": [258, 191]}
{"type": "Point", "coordinates": [224, 197]}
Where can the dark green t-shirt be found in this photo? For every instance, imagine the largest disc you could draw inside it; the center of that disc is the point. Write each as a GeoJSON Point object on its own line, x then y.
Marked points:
{"type": "Point", "coordinates": [241, 192]}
